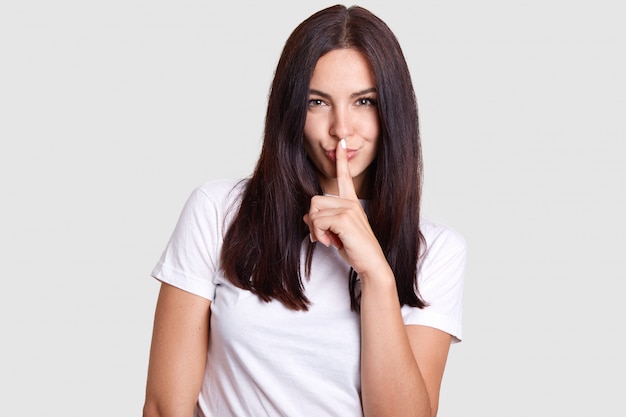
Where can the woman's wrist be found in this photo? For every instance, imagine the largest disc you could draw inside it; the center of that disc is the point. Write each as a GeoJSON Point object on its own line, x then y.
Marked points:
{"type": "Point", "coordinates": [380, 276]}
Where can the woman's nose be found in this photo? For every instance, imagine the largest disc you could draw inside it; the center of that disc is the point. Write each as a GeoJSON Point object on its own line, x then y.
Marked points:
{"type": "Point", "coordinates": [342, 124]}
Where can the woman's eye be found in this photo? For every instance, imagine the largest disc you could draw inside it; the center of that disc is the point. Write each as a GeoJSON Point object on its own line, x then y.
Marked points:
{"type": "Point", "coordinates": [316, 102]}
{"type": "Point", "coordinates": [366, 101]}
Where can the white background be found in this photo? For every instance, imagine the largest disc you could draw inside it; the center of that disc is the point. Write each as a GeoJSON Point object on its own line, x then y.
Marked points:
{"type": "Point", "coordinates": [112, 112]}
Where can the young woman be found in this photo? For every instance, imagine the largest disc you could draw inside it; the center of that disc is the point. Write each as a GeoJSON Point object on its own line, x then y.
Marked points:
{"type": "Point", "coordinates": [314, 288]}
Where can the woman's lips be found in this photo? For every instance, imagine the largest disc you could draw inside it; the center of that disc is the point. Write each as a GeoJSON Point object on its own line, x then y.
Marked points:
{"type": "Point", "coordinates": [331, 154]}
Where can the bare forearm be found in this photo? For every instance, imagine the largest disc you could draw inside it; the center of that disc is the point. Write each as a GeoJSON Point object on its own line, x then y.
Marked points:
{"type": "Point", "coordinates": [391, 382]}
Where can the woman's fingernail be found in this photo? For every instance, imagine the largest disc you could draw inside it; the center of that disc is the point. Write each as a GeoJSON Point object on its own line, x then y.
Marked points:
{"type": "Point", "coordinates": [342, 143]}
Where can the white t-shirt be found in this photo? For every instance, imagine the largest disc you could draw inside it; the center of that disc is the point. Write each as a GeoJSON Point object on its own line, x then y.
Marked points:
{"type": "Point", "coordinates": [267, 360]}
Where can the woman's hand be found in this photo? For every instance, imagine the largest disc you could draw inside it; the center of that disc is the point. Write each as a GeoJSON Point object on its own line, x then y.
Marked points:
{"type": "Point", "coordinates": [341, 222]}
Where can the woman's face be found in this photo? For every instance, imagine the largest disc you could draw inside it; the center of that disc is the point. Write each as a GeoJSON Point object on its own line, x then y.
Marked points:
{"type": "Point", "coordinates": [342, 104]}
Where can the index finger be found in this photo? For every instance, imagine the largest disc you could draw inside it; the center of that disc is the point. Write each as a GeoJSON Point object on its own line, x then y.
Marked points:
{"type": "Point", "coordinates": [345, 184]}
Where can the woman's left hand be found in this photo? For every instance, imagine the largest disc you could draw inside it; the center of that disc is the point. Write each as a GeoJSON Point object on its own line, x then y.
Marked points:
{"type": "Point", "coordinates": [342, 222]}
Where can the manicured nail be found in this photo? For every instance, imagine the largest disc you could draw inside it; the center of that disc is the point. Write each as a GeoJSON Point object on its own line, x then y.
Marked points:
{"type": "Point", "coordinates": [342, 143]}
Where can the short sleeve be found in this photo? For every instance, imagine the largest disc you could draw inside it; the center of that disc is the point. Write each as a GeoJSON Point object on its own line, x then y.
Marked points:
{"type": "Point", "coordinates": [441, 276]}
{"type": "Point", "coordinates": [190, 259]}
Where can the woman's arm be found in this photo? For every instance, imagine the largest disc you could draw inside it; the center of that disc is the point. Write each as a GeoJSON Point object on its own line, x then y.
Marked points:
{"type": "Point", "coordinates": [401, 366]}
{"type": "Point", "coordinates": [177, 354]}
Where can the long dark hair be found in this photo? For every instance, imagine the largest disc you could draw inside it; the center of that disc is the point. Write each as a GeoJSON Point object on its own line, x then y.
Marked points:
{"type": "Point", "coordinates": [262, 247]}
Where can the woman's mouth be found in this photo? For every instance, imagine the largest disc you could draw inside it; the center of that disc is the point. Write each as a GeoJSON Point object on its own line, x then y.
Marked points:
{"type": "Point", "coordinates": [332, 155]}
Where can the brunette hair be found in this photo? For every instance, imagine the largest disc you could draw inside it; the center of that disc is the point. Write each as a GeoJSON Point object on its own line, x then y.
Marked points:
{"type": "Point", "coordinates": [262, 247]}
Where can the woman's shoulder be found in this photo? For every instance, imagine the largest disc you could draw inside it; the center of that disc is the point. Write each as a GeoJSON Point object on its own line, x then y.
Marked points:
{"type": "Point", "coordinates": [439, 235]}
{"type": "Point", "coordinates": [221, 191]}
{"type": "Point", "coordinates": [215, 196]}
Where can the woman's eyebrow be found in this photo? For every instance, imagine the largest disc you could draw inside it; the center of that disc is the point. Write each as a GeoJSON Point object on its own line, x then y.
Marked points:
{"type": "Point", "coordinates": [319, 93]}
{"type": "Point", "coordinates": [356, 94]}
{"type": "Point", "coordinates": [364, 92]}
